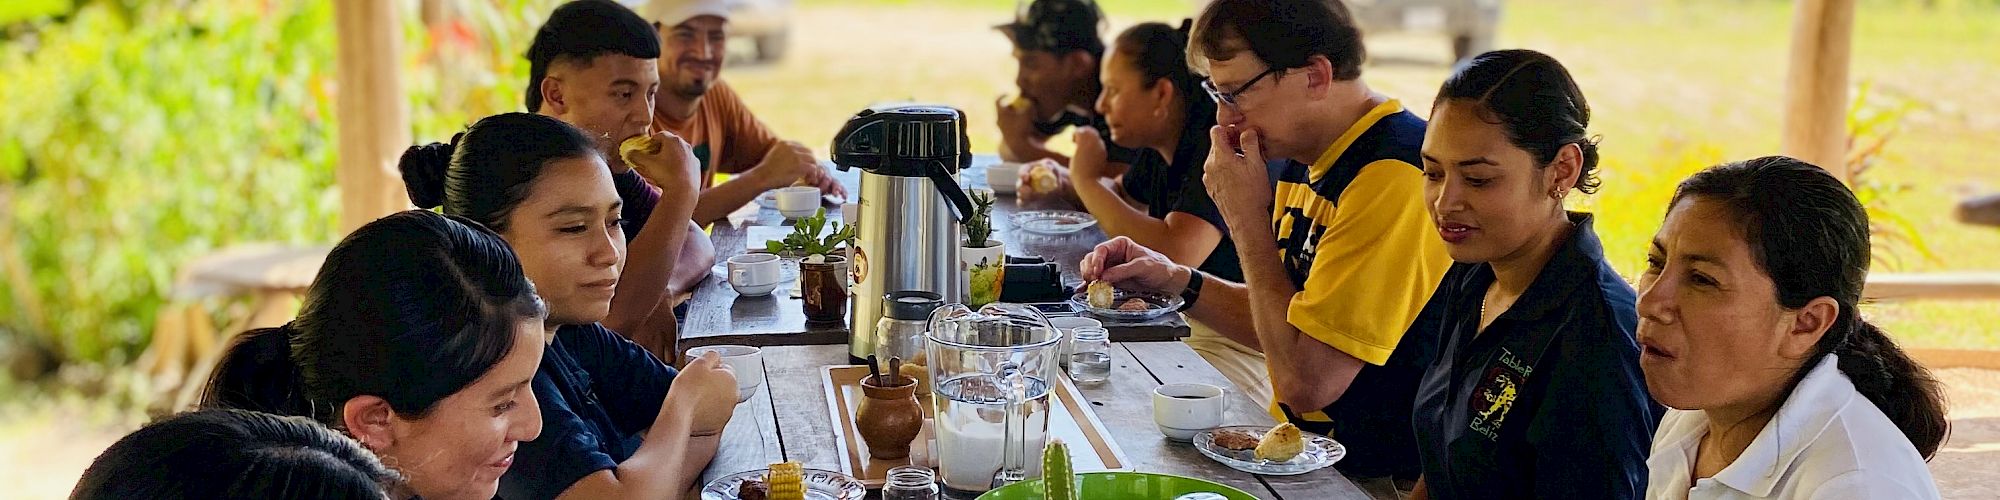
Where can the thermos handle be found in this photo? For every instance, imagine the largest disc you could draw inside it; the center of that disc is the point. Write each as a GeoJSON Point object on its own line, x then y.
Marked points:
{"type": "Point", "coordinates": [952, 193]}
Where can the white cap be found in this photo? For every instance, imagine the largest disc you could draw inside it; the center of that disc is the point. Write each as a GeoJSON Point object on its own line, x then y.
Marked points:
{"type": "Point", "coordinates": [672, 12]}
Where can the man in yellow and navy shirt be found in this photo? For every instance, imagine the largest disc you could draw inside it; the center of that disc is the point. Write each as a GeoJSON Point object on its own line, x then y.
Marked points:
{"type": "Point", "coordinates": [1340, 259]}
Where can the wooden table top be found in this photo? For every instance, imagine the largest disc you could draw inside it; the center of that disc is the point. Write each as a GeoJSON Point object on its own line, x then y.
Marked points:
{"type": "Point", "coordinates": [718, 315]}
{"type": "Point", "coordinates": [788, 420]}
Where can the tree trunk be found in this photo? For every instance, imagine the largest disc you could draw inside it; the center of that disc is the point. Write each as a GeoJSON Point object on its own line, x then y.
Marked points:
{"type": "Point", "coordinates": [373, 111]}
{"type": "Point", "coordinates": [1816, 85]}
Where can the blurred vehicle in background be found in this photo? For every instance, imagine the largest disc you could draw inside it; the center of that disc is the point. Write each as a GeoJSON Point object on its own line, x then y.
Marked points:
{"type": "Point", "coordinates": [1470, 24]}
{"type": "Point", "coordinates": [767, 23]}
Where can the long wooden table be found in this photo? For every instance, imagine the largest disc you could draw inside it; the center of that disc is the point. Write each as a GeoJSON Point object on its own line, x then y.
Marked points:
{"type": "Point", "coordinates": [717, 315]}
{"type": "Point", "coordinates": [788, 420]}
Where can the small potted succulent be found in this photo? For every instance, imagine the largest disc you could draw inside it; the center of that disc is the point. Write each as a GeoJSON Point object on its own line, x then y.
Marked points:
{"type": "Point", "coordinates": [822, 271]}
{"type": "Point", "coordinates": [982, 259]}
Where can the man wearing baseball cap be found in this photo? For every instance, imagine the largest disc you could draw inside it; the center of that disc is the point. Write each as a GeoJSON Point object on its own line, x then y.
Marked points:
{"type": "Point", "coordinates": [1058, 50]}
{"type": "Point", "coordinates": [697, 105]}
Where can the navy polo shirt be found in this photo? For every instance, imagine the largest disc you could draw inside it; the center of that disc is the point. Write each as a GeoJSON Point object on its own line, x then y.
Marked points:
{"type": "Point", "coordinates": [1549, 401]}
{"type": "Point", "coordinates": [597, 392]}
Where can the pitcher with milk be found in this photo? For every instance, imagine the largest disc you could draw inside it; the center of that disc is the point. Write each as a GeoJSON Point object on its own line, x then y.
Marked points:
{"type": "Point", "coordinates": [993, 370]}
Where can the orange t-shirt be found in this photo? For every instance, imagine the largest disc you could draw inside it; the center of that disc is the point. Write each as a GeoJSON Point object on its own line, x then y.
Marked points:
{"type": "Point", "coordinates": [725, 136]}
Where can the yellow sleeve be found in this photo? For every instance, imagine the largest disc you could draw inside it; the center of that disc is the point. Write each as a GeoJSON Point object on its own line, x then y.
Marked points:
{"type": "Point", "coordinates": [1375, 267]}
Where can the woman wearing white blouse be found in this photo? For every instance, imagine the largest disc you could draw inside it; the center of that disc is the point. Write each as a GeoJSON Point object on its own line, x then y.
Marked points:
{"type": "Point", "coordinates": [1749, 331]}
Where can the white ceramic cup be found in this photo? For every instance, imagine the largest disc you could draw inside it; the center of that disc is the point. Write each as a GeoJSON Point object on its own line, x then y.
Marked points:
{"type": "Point", "coordinates": [1002, 177]}
{"type": "Point", "coordinates": [746, 361]}
{"type": "Point", "coordinates": [754, 274]}
{"type": "Point", "coordinates": [1183, 410]}
{"type": "Point", "coordinates": [798, 201]}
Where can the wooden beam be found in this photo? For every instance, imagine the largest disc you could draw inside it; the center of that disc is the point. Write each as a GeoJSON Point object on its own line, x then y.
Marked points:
{"type": "Point", "coordinates": [1932, 286]}
{"type": "Point", "coordinates": [1815, 120]}
{"type": "Point", "coordinates": [374, 113]}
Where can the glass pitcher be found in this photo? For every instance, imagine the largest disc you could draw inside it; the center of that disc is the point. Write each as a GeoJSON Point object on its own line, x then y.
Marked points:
{"type": "Point", "coordinates": [993, 370]}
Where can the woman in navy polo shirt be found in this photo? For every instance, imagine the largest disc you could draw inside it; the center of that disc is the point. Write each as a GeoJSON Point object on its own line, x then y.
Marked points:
{"type": "Point", "coordinates": [1533, 388]}
{"type": "Point", "coordinates": [542, 186]}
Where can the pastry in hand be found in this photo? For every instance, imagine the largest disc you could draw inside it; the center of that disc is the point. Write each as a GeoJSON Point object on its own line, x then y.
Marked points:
{"type": "Point", "coordinates": [1281, 444]}
{"type": "Point", "coordinates": [1100, 294]}
{"type": "Point", "coordinates": [638, 144]}
{"type": "Point", "coordinates": [1020, 103]}
{"type": "Point", "coordinates": [1134, 304]}
{"type": "Point", "coordinates": [1042, 179]}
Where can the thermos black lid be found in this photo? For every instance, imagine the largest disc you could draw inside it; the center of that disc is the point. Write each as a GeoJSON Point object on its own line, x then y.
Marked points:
{"type": "Point", "coordinates": [905, 141]}
{"type": "Point", "coordinates": [912, 304]}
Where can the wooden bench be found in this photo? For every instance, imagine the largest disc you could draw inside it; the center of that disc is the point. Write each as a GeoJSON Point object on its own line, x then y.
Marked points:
{"type": "Point", "coordinates": [186, 344]}
{"type": "Point", "coordinates": [1980, 210]}
{"type": "Point", "coordinates": [1933, 286]}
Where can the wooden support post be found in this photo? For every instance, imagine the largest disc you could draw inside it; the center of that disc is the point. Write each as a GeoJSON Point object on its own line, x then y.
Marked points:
{"type": "Point", "coordinates": [1816, 84]}
{"type": "Point", "coordinates": [374, 113]}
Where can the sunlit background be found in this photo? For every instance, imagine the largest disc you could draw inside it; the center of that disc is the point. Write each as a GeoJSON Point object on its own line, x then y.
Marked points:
{"type": "Point", "coordinates": [139, 135]}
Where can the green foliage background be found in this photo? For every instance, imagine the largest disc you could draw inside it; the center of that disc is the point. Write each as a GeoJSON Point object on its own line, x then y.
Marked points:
{"type": "Point", "coordinates": [139, 135]}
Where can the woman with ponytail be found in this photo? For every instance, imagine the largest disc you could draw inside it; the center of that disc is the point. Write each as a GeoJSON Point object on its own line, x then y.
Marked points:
{"type": "Point", "coordinates": [1750, 332]}
{"type": "Point", "coordinates": [418, 338]}
{"type": "Point", "coordinates": [618, 423]}
{"type": "Point", "coordinates": [1154, 105]}
{"type": "Point", "coordinates": [1533, 389]}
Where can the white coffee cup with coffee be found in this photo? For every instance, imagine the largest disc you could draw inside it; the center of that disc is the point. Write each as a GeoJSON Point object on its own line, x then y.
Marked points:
{"type": "Point", "coordinates": [1183, 410]}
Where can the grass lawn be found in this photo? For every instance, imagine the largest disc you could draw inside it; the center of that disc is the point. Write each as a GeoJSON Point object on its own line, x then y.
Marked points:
{"type": "Point", "coordinates": [1674, 86]}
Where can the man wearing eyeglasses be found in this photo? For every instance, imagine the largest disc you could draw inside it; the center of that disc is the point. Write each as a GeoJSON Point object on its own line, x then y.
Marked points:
{"type": "Point", "coordinates": [1340, 261]}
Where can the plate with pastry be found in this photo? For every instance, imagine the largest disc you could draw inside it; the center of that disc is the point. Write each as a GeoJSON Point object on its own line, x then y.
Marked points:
{"type": "Point", "coordinates": [786, 481]}
{"type": "Point", "coordinates": [1105, 301]}
{"type": "Point", "coordinates": [1281, 450]}
{"type": "Point", "coordinates": [1053, 221]}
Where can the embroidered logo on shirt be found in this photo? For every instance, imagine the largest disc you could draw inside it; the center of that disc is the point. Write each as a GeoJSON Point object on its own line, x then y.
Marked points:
{"type": "Point", "coordinates": [1496, 394]}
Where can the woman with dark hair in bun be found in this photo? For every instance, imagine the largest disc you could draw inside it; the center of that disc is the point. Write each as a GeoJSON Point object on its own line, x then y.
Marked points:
{"type": "Point", "coordinates": [1533, 388]}
{"type": "Point", "coordinates": [619, 423]}
{"type": "Point", "coordinates": [1779, 388]}
{"type": "Point", "coordinates": [419, 338]}
{"type": "Point", "coordinates": [235, 454]}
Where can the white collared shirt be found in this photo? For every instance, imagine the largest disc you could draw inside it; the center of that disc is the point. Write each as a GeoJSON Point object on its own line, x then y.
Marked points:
{"type": "Point", "coordinates": [1826, 442]}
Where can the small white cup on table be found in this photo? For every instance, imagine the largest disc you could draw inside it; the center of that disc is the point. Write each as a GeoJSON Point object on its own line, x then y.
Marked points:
{"type": "Point", "coordinates": [747, 362]}
{"type": "Point", "coordinates": [1183, 410]}
{"type": "Point", "coordinates": [798, 201]}
{"type": "Point", "coordinates": [1002, 177]}
{"type": "Point", "coordinates": [754, 274]}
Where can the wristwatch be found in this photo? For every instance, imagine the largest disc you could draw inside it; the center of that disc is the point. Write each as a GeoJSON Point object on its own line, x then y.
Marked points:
{"type": "Point", "coordinates": [1193, 290]}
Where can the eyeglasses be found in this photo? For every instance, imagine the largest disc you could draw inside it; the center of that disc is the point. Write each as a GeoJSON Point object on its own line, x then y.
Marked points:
{"type": "Point", "coordinates": [1229, 98]}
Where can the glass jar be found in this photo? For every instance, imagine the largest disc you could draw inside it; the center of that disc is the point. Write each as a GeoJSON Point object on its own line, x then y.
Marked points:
{"type": "Point", "coordinates": [910, 482]}
{"type": "Point", "coordinates": [1090, 355]}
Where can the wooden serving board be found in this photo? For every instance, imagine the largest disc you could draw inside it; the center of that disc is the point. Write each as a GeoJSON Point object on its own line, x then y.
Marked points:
{"type": "Point", "coordinates": [1070, 419]}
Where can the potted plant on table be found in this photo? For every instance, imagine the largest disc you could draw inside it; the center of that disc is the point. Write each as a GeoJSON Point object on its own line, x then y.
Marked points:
{"type": "Point", "coordinates": [823, 271]}
{"type": "Point", "coordinates": [982, 259]}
